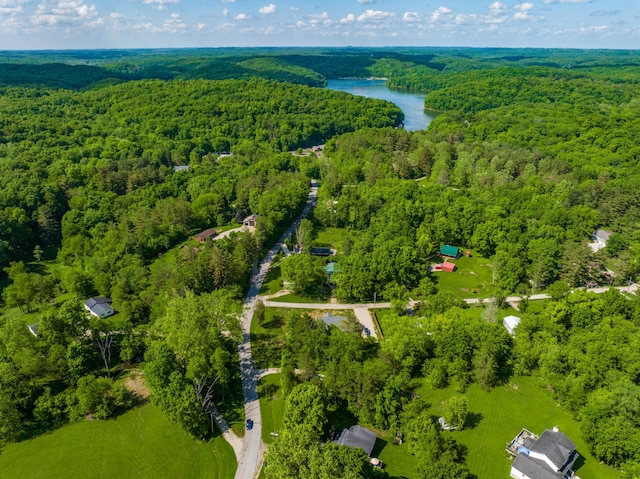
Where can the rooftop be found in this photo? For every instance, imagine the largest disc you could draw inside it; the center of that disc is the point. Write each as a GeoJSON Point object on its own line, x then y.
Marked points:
{"type": "Point", "coordinates": [357, 437]}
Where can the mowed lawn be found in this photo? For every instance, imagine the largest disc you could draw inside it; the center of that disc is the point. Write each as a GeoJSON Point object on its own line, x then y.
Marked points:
{"type": "Point", "coordinates": [139, 444]}
{"type": "Point", "coordinates": [500, 414]}
{"type": "Point", "coordinates": [472, 278]}
{"type": "Point", "coordinates": [271, 406]}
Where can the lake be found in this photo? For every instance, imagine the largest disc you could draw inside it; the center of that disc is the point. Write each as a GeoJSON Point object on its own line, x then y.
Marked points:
{"type": "Point", "coordinates": [412, 104]}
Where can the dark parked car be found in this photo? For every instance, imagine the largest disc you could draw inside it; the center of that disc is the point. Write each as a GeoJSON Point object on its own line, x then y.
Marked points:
{"type": "Point", "coordinates": [249, 424]}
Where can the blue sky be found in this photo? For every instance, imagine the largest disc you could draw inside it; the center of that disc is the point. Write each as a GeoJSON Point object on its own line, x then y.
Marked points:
{"type": "Point", "coordinates": [77, 24]}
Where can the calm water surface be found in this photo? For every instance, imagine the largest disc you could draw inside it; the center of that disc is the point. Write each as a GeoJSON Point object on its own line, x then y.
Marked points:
{"type": "Point", "coordinates": [412, 104]}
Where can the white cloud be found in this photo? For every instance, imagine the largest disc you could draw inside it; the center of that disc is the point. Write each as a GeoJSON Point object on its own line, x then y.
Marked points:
{"type": "Point", "coordinates": [497, 7]}
{"type": "Point", "coordinates": [594, 28]}
{"type": "Point", "coordinates": [294, 9]}
{"type": "Point", "coordinates": [8, 7]}
{"type": "Point", "coordinates": [376, 16]}
{"type": "Point", "coordinates": [524, 12]}
{"type": "Point", "coordinates": [174, 24]}
{"type": "Point", "coordinates": [410, 17]}
{"type": "Point", "coordinates": [160, 4]}
{"type": "Point", "coordinates": [440, 12]}
{"type": "Point", "coordinates": [67, 13]}
{"type": "Point", "coordinates": [348, 19]}
{"type": "Point", "coordinates": [243, 16]}
{"type": "Point", "coordinates": [366, 1]}
{"type": "Point", "coordinates": [320, 19]}
{"type": "Point", "coordinates": [228, 1]}
{"type": "Point", "coordinates": [268, 10]}
{"type": "Point", "coordinates": [225, 12]}
{"type": "Point", "coordinates": [568, 1]}
{"type": "Point", "coordinates": [524, 7]}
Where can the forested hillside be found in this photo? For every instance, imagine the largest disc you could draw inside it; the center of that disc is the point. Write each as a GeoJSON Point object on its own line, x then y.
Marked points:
{"type": "Point", "coordinates": [90, 204]}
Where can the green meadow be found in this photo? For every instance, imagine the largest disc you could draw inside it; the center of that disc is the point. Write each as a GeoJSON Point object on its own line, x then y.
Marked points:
{"type": "Point", "coordinates": [141, 444]}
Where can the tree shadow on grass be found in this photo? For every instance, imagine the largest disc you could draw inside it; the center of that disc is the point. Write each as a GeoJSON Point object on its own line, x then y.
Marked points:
{"type": "Point", "coordinates": [473, 420]}
{"type": "Point", "coordinates": [276, 322]}
{"type": "Point", "coordinates": [378, 447]}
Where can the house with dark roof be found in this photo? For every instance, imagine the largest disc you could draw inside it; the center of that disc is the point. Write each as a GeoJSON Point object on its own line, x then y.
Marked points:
{"type": "Point", "coordinates": [205, 235]}
{"type": "Point", "coordinates": [99, 306]}
{"type": "Point", "coordinates": [450, 251]}
{"type": "Point", "coordinates": [318, 251]}
{"type": "Point", "coordinates": [550, 456]}
{"type": "Point", "coordinates": [357, 437]}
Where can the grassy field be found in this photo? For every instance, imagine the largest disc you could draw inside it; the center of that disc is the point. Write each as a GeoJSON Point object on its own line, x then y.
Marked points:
{"type": "Point", "coordinates": [139, 444]}
{"type": "Point", "coordinates": [500, 414]}
{"type": "Point", "coordinates": [267, 340]}
{"type": "Point", "coordinates": [271, 406]}
{"type": "Point", "coordinates": [397, 460]}
{"type": "Point", "coordinates": [331, 237]}
{"type": "Point", "coordinates": [472, 279]}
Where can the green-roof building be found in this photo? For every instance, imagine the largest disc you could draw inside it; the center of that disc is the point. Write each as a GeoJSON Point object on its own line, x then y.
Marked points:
{"type": "Point", "coordinates": [450, 251]}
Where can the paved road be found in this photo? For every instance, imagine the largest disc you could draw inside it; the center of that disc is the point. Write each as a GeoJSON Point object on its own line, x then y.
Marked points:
{"type": "Point", "coordinates": [250, 458]}
{"type": "Point", "coordinates": [511, 299]}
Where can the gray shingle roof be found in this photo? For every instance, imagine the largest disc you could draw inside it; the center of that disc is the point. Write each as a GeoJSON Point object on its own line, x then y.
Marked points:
{"type": "Point", "coordinates": [534, 468]}
{"type": "Point", "coordinates": [555, 445]}
{"type": "Point", "coordinates": [91, 302]}
{"type": "Point", "coordinates": [357, 437]}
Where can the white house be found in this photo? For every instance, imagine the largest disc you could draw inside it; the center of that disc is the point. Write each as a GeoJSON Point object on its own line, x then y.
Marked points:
{"type": "Point", "coordinates": [550, 456]}
{"type": "Point", "coordinates": [600, 238]}
{"type": "Point", "coordinates": [99, 306]}
{"type": "Point", "coordinates": [510, 323]}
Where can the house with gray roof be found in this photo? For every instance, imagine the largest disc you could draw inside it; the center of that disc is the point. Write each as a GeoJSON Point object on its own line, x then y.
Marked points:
{"type": "Point", "coordinates": [357, 437]}
{"type": "Point", "coordinates": [99, 306]}
{"type": "Point", "coordinates": [550, 456]}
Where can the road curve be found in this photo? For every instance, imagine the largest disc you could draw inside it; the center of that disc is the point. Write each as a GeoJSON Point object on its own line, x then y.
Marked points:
{"type": "Point", "coordinates": [250, 457]}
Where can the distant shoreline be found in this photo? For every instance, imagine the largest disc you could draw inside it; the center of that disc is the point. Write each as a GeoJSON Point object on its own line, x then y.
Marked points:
{"type": "Point", "coordinates": [362, 78]}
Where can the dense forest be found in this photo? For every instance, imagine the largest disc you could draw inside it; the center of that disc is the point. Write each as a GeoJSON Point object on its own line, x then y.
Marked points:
{"type": "Point", "coordinates": [532, 151]}
{"type": "Point", "coordinates": [89, 181]}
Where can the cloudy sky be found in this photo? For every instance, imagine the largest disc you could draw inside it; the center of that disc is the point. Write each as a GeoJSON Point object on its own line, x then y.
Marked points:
{"type": "Point", "coordinates": [61, 24]}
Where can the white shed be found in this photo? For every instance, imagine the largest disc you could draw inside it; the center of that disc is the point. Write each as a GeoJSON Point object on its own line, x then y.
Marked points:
{"type": "Point", "coordinates": [510, 323]}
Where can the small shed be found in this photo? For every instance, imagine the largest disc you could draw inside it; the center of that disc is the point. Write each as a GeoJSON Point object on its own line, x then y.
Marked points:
{"type": "Point", "coordinates": [510, 323]}
{"type": "Point", "coordinates": [321, 251]}
{"type": "Point", "coordinates": [250, 221]}
{"type": "Point", "coordinates": [448, 267]}
{"type": "Point", "coordinates": [357, 437]}
{"type": "Point", "coordinates": [450, 251]}
{"type": "Point", "coordinates": [205, 235]}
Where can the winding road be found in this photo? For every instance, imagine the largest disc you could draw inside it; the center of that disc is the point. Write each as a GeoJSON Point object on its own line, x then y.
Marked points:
{"type": "Point", "coordinates": [250, 456]}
